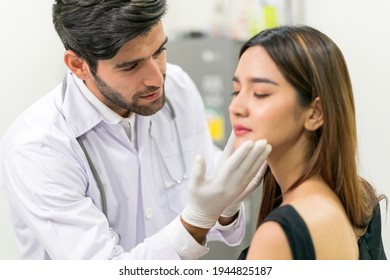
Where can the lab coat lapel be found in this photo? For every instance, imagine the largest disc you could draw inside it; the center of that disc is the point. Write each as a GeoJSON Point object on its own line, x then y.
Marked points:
{"type": "Point", "coordinates": [80, 115]}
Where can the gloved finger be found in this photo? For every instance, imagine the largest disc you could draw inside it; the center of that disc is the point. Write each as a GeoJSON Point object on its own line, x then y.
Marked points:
{"type": "Point", "coordinates": [198, 170]}
{"type": "Point", "coordinates": [261, 160]}
{"type": "Point", "coordinates": [245, 194]}
{"type": "Point", "coordinates": [227, 151]}
{"type": "Point", "coordinates": [251, 167]}
{"type": "Point", "coordinates": [262, 170]}
{"type": "Point", "coordinates": [235, 160]}
{"type": "Point", "coordinates": [254, 184]}
{"type": "Point", "coordinates": [254, 158]}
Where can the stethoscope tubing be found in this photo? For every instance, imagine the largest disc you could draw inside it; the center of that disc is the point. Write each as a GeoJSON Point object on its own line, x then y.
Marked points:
{"type": "Point", "coordinates": [103, 198]}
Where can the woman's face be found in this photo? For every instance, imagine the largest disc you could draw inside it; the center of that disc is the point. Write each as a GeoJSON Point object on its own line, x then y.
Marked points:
{"type": "Point", "coordinates": [265, 105]}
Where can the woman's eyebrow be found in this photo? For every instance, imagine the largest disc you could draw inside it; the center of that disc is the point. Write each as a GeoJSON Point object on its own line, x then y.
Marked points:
{"type": "Point", "coordinates": [257, 80]}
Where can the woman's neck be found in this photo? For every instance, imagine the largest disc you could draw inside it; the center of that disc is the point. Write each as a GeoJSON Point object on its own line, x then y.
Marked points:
{"type": "Point", "coordinates": [287, 165]}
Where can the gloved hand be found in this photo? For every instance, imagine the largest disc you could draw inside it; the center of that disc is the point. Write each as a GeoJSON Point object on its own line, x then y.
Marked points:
{"type": "Point", "coordinates": [234, 207]}
{"type": "Point", "coordinates": [209, 197]}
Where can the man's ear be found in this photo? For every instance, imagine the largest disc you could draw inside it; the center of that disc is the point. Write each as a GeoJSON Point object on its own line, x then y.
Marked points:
{"type": "Point", "coordinates": [315, 117]}
{"type": "Point", "coordinates": [77, 65]}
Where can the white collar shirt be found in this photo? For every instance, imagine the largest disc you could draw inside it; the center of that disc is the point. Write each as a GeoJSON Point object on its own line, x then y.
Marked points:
{"type": "Point", "coordinates": [108, 115]}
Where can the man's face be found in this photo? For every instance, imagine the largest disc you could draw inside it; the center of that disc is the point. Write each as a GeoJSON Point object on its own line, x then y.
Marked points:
{"type": "Point", "coordinates": [133, 80]}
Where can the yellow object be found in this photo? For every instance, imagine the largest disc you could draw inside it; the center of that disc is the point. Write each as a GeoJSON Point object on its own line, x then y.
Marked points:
{"type": "Point", "coordinates": [216, 124]}
{"type": "Point", "coordinates": [267, 17]}
{"type": "Point", "coordinates": [270, 15]}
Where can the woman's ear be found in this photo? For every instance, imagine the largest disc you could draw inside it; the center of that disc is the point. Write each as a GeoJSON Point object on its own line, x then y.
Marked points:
{"type": "Point", "coordinates": [315, 117]}
{"type": "Point", "coordinates": [77, 65]}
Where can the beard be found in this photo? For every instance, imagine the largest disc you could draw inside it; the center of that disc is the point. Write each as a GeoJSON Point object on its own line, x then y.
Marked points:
{"type": "Point", "coordinates": [116, 99]}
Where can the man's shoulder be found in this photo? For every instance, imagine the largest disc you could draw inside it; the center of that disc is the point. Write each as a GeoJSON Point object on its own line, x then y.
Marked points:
{"type": "Point", "coordinates": [174, 69]}
{"type": "Point", "coordinates": [178, 79]}
{"type": "Point", "coordinates": [176, 75]}
{"type": "Point", "coordinates": [34, 123]}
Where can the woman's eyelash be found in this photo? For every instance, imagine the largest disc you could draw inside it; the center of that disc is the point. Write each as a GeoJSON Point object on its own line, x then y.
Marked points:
{"type": "Point", "coordinates": [261, 95]}
{"type": "Point", "coordinates": [257, 95]}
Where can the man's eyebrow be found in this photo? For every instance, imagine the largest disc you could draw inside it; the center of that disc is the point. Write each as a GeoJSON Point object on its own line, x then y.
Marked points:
{"type": "Point", "coordinates": [129, 63]}
{"type": "Point", "coordinates": [163, 44]}
{"type": "Point", "coordinates": [257, 80]}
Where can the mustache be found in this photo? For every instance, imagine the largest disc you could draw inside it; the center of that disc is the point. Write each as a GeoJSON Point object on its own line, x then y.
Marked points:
{"type": "Point", "coordinates": [149, 89]}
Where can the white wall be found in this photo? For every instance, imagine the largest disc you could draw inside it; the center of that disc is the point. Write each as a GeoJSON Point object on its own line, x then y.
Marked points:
{"type": "Point", "coordinates": [31, 65]}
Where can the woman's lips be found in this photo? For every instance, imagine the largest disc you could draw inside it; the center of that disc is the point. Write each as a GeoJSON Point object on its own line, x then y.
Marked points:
{"type": "Point", "coordinates": [240, 130]}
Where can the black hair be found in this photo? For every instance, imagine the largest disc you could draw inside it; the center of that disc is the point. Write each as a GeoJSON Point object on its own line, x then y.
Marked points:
{"type": "Point", "coordinates": [97, 29]}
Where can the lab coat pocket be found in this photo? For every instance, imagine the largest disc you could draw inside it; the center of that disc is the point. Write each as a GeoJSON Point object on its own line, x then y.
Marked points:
{"type": "Point", "coordinates": [175, 169]}
{"type": "Point", "coordinates": [177, 196]}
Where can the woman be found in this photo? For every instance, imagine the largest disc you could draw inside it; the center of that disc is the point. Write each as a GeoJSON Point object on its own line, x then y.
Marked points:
{"type": "Point", "coordinates": [292, 87]}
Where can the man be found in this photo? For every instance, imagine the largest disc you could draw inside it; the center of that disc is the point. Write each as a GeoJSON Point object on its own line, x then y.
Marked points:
{"type": "Point", "coordinates": [99, 168]}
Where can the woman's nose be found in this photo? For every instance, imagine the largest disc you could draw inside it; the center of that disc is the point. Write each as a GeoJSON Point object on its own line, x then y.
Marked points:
{"type": "Point", "coordinates": [238, 106]}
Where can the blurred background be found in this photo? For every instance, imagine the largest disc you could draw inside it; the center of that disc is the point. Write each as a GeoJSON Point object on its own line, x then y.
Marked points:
{"type": "Point", "coordinates": [204, 39]}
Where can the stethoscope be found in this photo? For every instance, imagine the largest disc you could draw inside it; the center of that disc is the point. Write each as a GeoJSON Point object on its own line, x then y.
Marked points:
{"type": "Point", "coordinates": [172, 181]}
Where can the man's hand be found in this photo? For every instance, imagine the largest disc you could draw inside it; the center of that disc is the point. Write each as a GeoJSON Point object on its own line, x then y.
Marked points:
{"type": "Point", "coordinates": [234, 207]}
{"type": "Point", "coordinates": [232, 210]}
{"type": "Point", "coordinates": [209, 197]}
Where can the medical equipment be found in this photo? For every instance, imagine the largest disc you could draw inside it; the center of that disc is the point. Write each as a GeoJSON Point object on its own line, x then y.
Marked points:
{"type": "Point", "coordinates": [172, 181]}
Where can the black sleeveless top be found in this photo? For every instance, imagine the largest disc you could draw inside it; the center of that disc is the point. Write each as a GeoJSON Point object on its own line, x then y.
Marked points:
{"type": "Point", "coordinates": [301, 244]}
{"type": "Point", "coordinates": [370, 244]}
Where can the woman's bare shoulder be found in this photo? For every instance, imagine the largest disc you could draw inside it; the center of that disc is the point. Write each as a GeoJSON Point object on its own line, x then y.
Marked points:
{"type": "Point", "coordinates": [269, 243]}
{"type": "Point", "coordinates": [331, 231]}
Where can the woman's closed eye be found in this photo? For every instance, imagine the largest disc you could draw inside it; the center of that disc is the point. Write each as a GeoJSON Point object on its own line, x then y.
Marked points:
{"type": "Point", "coordinates": [261, 95]}
{"type": "Point", "coordinates": [255, 94]}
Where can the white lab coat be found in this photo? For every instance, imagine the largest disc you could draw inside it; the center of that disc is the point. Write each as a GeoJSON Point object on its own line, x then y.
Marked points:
{"type": "Point", "coordinates": [54, 198]}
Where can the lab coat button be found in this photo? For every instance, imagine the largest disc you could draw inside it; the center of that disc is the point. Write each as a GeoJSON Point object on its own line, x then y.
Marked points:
{"type": "Point", "coordinates": [148, 213]}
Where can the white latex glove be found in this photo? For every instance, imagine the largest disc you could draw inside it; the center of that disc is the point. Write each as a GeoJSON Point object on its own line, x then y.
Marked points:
{"type": "Point", "coordinates": [234, 207]}
{"type": "Point", "coordinates": [209, 197]}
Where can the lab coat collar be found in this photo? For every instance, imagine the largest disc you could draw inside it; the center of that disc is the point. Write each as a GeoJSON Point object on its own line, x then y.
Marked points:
{"type": "Point", "coordinates": [96, 110]}
{"type": "Point", "coordinates": [108, 115]}
{"type": "Point", "coordinates": [80, 115]}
